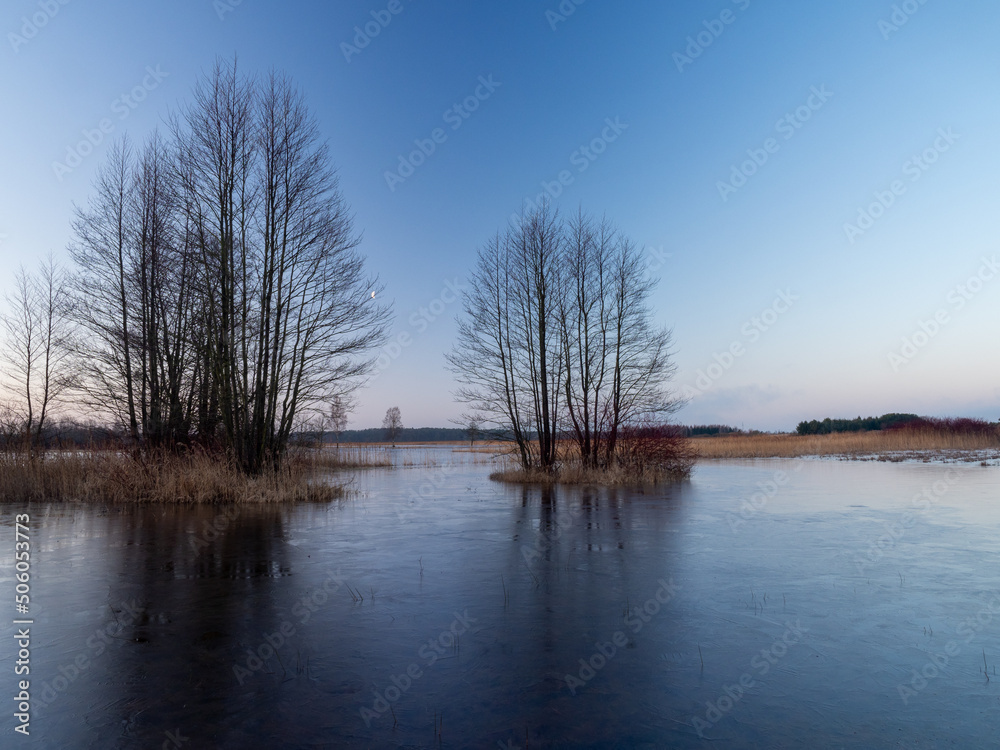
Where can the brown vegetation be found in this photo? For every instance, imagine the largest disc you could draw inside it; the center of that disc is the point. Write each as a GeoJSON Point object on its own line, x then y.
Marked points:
{"type": "Point", "coordinates": [851, 444]}
{"type": "Point", "coordinates": [117, 477]}
{"type": "Point", "coordinates": [351, 456]}
{"type": "Point", "coordinates": [644, 456]}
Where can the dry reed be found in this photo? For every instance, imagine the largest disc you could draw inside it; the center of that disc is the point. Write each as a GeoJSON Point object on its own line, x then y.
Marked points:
{"type": "Point", "coordinates": [639, 461]}
{"type": "Point", "coordinates": [849, 444]}
{"type": "Point", "coordinates": [114, 477]}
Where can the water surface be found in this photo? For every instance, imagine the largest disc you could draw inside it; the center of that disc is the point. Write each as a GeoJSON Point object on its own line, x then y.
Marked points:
{"type": "Point", "coordinates": [768, 604]}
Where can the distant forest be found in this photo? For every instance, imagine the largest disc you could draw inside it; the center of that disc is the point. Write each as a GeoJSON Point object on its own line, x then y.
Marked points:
{"type": "Point", "coordinates": [446, 434]}
{"type": "Point", "coordinates": [858, 424]}
{"type": "Point", "coordinates": [406, 435]}
{"type": "Point", "coordinates": [711, 429]}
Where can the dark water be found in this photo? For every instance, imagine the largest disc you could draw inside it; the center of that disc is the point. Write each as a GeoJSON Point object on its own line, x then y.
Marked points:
{"type": "Point", "coordinates": [837, 607]}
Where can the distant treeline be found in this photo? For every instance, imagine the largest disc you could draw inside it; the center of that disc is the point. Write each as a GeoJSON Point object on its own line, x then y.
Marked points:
{"type": "Point", "coordinates": [858, 424]}
{"type": "Point", "coordinates": [959, 425]}
{"type": "Point", "coordinates": [406, 435]}
{"type": "Point", "coordinates": [709, 429]}
{"type": "Point", "coordinates": [65, 434]}
{"type": "Point", "coordinates": [451, 434]}
{"type": "Point", "coordinates": [68, 434]}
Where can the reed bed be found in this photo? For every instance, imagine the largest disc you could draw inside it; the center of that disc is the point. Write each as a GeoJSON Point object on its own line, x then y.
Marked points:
{"type": "Point", "coordinates": [116, 477]}
{"type": "Point", "coordinates": [576, 473]}
{"type": "Point", "coordinates": [352, 456]}
{"type": "Point", "coordinates": [640, 460]}
{"type": "Point", "coordinates": [850, 444]}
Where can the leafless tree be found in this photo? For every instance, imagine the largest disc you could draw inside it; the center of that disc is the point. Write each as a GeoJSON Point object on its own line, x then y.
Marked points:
{"type": "Point", "coordinates": [102, 250]}
{"type": "Point", "coordinates": [641, 361]}
{"type": "Point", "coordinates": [585, 326]}
{"type": "Point", "coordinates": [556, 334]}
{"type": "Point", "coordinates": [392, 423]}
{"type": "Point", "coordinates": [508, 354]}
{"type": "Point", "coordinates": [340, 407]}
{"type": "Point", "coordinates": [616, 362]}
{"type": "Point", "coordinates": [233, 301]}
{"type": "Point", "coordinates": [37, 346]}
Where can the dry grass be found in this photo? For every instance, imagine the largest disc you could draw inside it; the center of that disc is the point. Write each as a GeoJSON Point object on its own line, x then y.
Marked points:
{"type": "Point", "coordinates": [352, 456]}
{"type": "Point", "coordinates": [575, 473]}
{"type": "Point", "coordinates": [111, 477]}
{"type": "Point", "coordinates": [640, 464]}
{"type": "Point", "coordinates": [840, 444]}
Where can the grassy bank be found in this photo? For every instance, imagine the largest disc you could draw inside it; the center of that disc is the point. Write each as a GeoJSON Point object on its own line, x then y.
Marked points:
{"type": "Point", "coordinates": [847, 444]}
{"type": "Point", "coordinates": [643, 459]}
{"type": "Point", "coordinates": [115, 477]}
{"type": "Point", "coordinates": [574, 473]}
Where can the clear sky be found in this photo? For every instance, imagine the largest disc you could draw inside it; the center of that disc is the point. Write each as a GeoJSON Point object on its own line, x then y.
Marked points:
{"type": "Point", "coordinates": [743, 143]}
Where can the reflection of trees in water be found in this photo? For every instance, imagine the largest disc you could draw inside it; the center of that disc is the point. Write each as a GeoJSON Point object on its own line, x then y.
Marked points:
{"type": "Point", "coordinates": [200, 608]}
{"type": "Point", "coordinates": [590, 551]}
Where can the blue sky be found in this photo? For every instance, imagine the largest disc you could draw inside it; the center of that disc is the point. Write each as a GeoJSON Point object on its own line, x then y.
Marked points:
{"type": "Point", "coordinates": [831, 114]}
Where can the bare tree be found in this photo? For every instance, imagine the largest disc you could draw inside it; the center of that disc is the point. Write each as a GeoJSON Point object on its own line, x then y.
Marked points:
{"type": "Point", "coordinates": [232, 299]}
{"type": "Point", "coordinates": [340, 407]}
{"type": "Point", "coordinates": [103, 255]}
{"type": "Point", "coordinates": [37, 327]}
{"type": "Point", "coordinates": [585, 327]}
{"type": "Point", "coordinates": [392, 423]}
{"type": "Point", "coordinates": [616, 362]}
{"type": "Point", "coordinates": [556, 332]}
{"type": "Point", "coordinates": [640, 361]}
{"type": "Point", "coordinates": [508, 354]}
{"type": "Point", "coordinates": [134, 297]}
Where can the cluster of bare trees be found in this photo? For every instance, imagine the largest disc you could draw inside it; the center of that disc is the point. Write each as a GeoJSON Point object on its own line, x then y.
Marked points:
{"type": "Point", "coordinates": [557, 338]}
{"type": "Point", "coordinates": [217, 292]}
{"type": "Point", "coordinates": [36, 328]}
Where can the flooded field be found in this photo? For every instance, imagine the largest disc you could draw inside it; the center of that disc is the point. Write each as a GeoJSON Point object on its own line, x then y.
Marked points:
{"type": "Point", "coordinates": [769, 604]}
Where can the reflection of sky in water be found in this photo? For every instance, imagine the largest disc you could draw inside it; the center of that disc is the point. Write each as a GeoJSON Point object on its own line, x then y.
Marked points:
{"type": "Point", "coordinates": [805, 588]}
